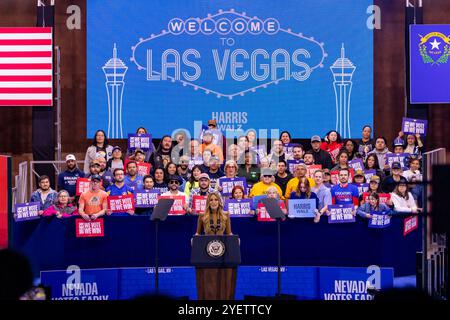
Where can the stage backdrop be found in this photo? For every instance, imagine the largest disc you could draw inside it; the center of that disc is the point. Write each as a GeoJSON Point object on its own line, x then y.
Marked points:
{"type": "Point", "coordinates": [304, 66]}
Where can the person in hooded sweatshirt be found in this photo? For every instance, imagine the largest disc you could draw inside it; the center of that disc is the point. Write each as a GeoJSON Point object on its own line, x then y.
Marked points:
{"type": "Point", "coordinates": [381, 151]}
{"type": "Point", "coordinates": [162, 156]}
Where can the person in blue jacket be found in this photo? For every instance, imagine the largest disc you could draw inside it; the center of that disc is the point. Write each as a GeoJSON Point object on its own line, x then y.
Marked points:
{"type": "Point", "coordinates": [67, 180]}
{"type": "Point", "coordinates": [373, 205]}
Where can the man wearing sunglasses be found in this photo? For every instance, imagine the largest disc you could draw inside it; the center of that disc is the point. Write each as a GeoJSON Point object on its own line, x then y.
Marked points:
{"type": "Point", "coordinates": [267, 181]}
{"type": "Point", "coordinates": [174, 183]}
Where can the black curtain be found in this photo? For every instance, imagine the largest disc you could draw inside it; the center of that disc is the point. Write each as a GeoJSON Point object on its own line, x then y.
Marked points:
{"type": "Point", "coordinates": [43, 131]}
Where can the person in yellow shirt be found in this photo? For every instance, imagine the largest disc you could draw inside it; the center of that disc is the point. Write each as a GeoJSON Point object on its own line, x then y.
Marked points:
{"type": "Point", "coordinates": [261, 187]}
{"type": "Point", "coordinates": [300, 172]}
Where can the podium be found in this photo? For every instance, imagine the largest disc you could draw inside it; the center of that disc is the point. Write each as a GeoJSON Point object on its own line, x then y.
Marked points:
{"type": "Point", "coordinates": [216, 259]}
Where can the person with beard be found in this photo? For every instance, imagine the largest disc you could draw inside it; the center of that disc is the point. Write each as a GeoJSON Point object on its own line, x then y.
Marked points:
{"type": "Point", "coordinates": [320, 156]}
{"type": "Point", "coordinates": [282, 176]}
{"type": "Point", "coordinates": [162, 156]}
{"type": "Point", "coordinates": [276, 154]}
{"type": "Point", "coordinates": [45, 195]}
{"type": "Point", "coordinates": [209, 145]}
{"type": "Point", "coordinates": [183, 168]}
{"type": "Point", "coordinates": [93, 203]}
{"type": "Point", "coordinates": [105, 174]}
{"type": "Point", "coordinates": [133, 179]}
{"type": "Point", "coordinates": [204, 189]}
{"type": "Point", "coordinates": [67, 180]}
{"type": "Point", "coordinates": [174, 185]}
{"type": "Point", "coordinates": [119, 188]}
{"type": "Point", "coordinates": [381, 151]}
{"type": "Point", "coordinates": [94, 169]}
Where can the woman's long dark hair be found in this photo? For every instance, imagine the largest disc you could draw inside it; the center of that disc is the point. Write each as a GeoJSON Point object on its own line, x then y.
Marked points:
{"type": "Point", "coordinates": [376, 165]}
{"type": "Point", "coordinates": [192, 178]}
{"type": "Point", "coordinates": [94, 141]}
{"type": "Point", "coordinates": [338, 139]}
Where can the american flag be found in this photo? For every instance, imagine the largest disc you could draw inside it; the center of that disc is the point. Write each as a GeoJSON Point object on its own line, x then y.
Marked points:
{"type": "Point", "coordinates": [26, 66]}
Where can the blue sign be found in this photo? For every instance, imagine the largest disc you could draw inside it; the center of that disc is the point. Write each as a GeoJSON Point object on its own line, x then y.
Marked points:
{"type": "Point", "coordinates": [229, 61]}
{"type": "Point", "coordinates": [341, 213]}
{"type": "Point", "coordinates": [227, 185]}
{"type": "Point", "coordinates": [302, 208]}
{"type": "Point", "coordinates": [26, 211]}
{"type": "Point", "coordinates": [379, 220]}
{"type": "Point", "coordinates": [352, 283]}
{"type": "Point", "coordinates": [140, 141]}
{"type": "Point", "coordinates": [239, 208]}
{"type": "Point", "coordinates": [414, 126]}
{"type": "Point", "coordinates": [256, 200]}
{"type": "Point", "coordinates": [146, 198]}
{"type": "Point", "coordinates": [429, 65]}
{"type": "Point", "coordinates": [402, 158]}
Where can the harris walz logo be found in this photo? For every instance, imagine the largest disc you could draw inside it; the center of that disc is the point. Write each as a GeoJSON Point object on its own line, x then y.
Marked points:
{"type": "Point", "coordinates": [434, 48]}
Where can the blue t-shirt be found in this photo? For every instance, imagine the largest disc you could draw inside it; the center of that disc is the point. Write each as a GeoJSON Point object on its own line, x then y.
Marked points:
{"type": "Point", "coordinates": [137, 183]}
{"type": "Point", "coordinates": [347, 195]}
{"type": "Point", "coordinates": [114, 190]}
{"type": "Point", "coordinates": [67, 180]}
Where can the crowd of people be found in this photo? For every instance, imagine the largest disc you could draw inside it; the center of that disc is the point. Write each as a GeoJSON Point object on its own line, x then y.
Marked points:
{"type": "Point", "coordinates": [187, 167]}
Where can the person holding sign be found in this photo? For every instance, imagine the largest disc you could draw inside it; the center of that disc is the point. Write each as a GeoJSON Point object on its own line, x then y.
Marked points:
{"type": "Point", "coordinates": [261, 187]}
{"type": "Point", "coordinates": [231, 169]}
{"type": "Point", "coordinates": [381, 151]}
{"type": "Point", "coordinates": [303, 191]}
{"type": "Point", "coordinates": [119, 188]}
{"type": "Point", "coordinates": [403, 200]}
{"type": "Point", "coordinates": [99, 143]}
{"type": "Point", "coordinates": [93, 203]}
{"type": "Point", "coordinates": [45, 195]}
{"type": "Point", "coordinates": [215, 221]}
{"type": "Point", "coordinates": [373, 204]}
{"type": "Point", "coordinates": [148, 185]}
{"type": "Point", "coordinates": [174, 184]}
{"type": "Point", "coordinates": [300, 172]}
{"type": "Point", "coordinates": [414, 145]}
{"type": "Point", "coordinates": [148, 153]}
{"type": "Point", "coordinates": [398, 145]}
{"type": "Point", "coordinates": [272, 192]}
{"type": "Point", "coordinates": [204, 189]}
{"type": "Point", "coordinates": [345, 193]}
{"type": "Point", "coordinates": [372, 164]}
{"type": "Point", "coordinates": [62, 208]}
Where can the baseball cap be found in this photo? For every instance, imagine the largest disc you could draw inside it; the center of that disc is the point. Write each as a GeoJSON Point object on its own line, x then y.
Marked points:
{"type": "Point", "coordinates": [212, 122]}
{"type": "Point", "coordinates": [208, 133]}
{"type": "Point", "coordinates": [359, 173]}
{"type": "Point", "coordinates": [266, 172]}
{"type": "Point", "coordinates": [139, 151]}
{"type": "Point", "coordinates": [204, 176]}
{"type": "Point", "coordinates": [301, 164]}
{"type": "Point", "coordinates": [399, 142]}
{"type": "Point", "coordinates": [96, 177]}
{"type": "Point", "coordinates": [375, 178]}
{"type": "Point", "coordinates": [94, 162]}
{"type": "Point", "coordinates": [70, 157]}
{"type": "Point", "coordinates": [316, 138]}
{"type": "Point", "coordinates": [396, 165]}
{"type": "Point", "coordinates": [116, 148]}
{"type": "Point", "coordinates": [175, 177]}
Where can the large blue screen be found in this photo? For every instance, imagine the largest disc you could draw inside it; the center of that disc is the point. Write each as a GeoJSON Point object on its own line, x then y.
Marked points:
{"type": "Point", "coordinates": [303, 65]}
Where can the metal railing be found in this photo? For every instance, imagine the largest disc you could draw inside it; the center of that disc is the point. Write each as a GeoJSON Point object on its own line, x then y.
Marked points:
{"type": "Point", "coordinates": [435, 251]}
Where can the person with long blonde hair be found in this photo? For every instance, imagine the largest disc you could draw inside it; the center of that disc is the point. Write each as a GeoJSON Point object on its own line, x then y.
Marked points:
{"type": "Point", "coordinates": [215, 220]}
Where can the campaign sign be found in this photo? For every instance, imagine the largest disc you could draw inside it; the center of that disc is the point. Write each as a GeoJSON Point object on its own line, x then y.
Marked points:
{"type": "Point", "coordinates": [379, 220]}
{"type": "Point", "coordinates": [341, 213]}
{"type": "Point", "coordinates": [410, 224]}
{"type": "Point", "coordinates": [199, 204]}
{"type": "Point", "coordinates": [26, 211]}
{"type": "Point", "coordinates": [403, 158]}
{"type": "Point", "coordinates": [384, 197]}
{"type": "Point", "coordinates": [289, 148]}
{"type": "Point", "coordinates": [238, 208]}
{"type": "Point", "coordinates": [79, 284]}
{"type": "Point", "coordinates": [256, 200]}
{"type": "Point", "coordinates": [83, 185]}
{"type": "Point", "coordinates": [335, 176]}
{"type": "Point", "coordinates": [140, 141]}
{"type": "Point", "coordinates": [263, 215]}
{"type": "Point", "coordinates": [87, 229]}
{"type": "Point", "coordinates": [369, 173]}
{"type": "Point", "coordinates": [178, 205]}
{"type": "Point", "coordinates": [339, 283]}
{"type": "Point", "coordinates": [356, 164]}
{"type": "Point", "coordinates": [292, 164]}
{"type": "Point", "coordinates": [302, 208]}
{"type": "Point", "coordinates": [121, 203]}
{"type": "Point", "coordinates": [194, 162]}
{"type": "Point", "coordinates": [429, 64]}
{"type": "Point", "coordinates": [311, 169]}
{"type": "Point", "coordinates": [142, 167]}
{"type": "Point", "coordinates": [260, 150]}
{"type": "Point", "coordinates": [414, 126]}
{"type": "Point", "coordinates": [362, 187]}
{"type": "Point", "coordinates": [146, 198]}
{"type": "Point", "coordinates": [228, 184]}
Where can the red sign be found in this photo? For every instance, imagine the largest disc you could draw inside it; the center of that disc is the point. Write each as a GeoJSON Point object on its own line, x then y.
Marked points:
{"type": "Point", "coordinates": [85, 229]}
{"type": "Point", "coordinates": [178, 205]}
{"type": "Point", "coordinates": [384, 197]}
{"type": "Point", "coordinates": [5, 198]}
{"type": "Point", "coordinates": [121, 203]}
{"type": "Point", "coordinates": [335, 176]}
{"type": "Point", "coordinates": [311, 169]}
{"type": "Point", "coordinates": [82, 185]}
{"type": "Point", "coordinates": [199, 204]}
{"type": "Point", "coordinates": [263, 215]}
{"type": "Point", "coordinates": [410, 224]}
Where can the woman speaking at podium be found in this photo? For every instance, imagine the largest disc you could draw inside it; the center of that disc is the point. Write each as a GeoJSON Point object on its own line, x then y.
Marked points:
{"type": "Point", "coordinates": [216, 282]}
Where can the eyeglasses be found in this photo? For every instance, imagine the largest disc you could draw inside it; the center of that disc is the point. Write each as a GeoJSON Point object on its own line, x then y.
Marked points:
{"type": "Point", "coordinates": [174, 181]}
{"type": "Point", "coordinates": [267, 176]}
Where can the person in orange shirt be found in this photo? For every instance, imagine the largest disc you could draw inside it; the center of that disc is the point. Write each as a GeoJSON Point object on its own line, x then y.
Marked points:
{"type": "Point", "coordinates": [93, 203]}
{"type": "Point", "coordinates": [209, 145]}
